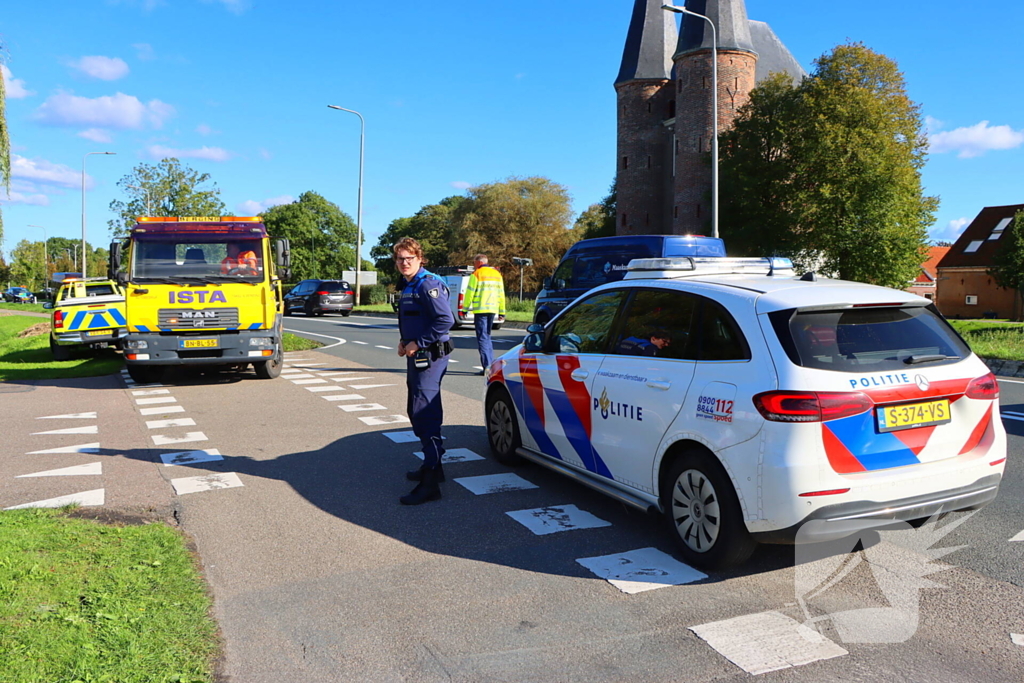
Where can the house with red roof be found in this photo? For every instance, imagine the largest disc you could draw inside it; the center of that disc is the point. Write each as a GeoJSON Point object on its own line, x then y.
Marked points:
{"type": "Point", "coordinates": [924, 283]}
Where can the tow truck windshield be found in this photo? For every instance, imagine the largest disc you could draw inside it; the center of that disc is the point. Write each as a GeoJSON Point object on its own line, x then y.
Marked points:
{"type": "Point", "coordinates": [195, 260]}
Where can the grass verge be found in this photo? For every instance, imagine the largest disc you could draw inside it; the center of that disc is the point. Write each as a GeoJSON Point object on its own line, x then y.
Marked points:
{"type": "Point", "coordinates": [293, 342]}
{"type": "Point", "coordinates": [991, 339]}
{"type": "Point", "coordinates": [85, 602]}
{"type": "Point", "coordinates": [31, 308]}
{"type": "Point", "coordinates": [23, 358]}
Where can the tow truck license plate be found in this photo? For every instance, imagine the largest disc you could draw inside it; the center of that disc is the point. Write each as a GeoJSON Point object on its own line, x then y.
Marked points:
{"type": "Point", "coordinates": [911, 415]}
{"type": "Point", "coordinates": [197, 344]}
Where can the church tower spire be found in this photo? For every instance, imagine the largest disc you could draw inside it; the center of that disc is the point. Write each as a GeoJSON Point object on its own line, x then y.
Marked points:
{"type": "Point", "coordinates": [645, 101]}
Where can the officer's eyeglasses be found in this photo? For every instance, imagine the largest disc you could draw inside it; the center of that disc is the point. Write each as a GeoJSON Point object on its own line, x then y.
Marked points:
{"type": "Point", "coordinates": [405, 259]}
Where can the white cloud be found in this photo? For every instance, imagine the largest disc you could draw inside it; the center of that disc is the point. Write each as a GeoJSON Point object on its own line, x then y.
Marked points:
{"type": "Point", "coordinates": [103, 68]}
{"type": "Point", "coordinates": [233, 6]}
{"type": "Point", "coordinates": [144, 51]}
{"type": "Point", "coordinates": [204, 130]}
{"type": "Point", "coordinates": [119, 111]}
{"type": "Point", "coordinates": [461, 185]}
{"type": "Point", "coordinates": [45, 172]}
{"type": "Point", "coordinates": [30, 199]}
{"type": "Point", "coordinates": [254, 208]}
{"type": "Point", "coordinates": [952, 231]}
{"type": "Point", "coordinates": [206, 153]}
{"type": "Point", "coordinates": [15, 87]}
{"type": "Point", "coordinates": [96, 135]}
{"type": "Point", "coordinates": [974, 141]}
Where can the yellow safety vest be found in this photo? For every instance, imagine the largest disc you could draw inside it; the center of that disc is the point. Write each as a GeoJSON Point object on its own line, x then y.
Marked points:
{"type": "Point", "coordinates": [486, 291]}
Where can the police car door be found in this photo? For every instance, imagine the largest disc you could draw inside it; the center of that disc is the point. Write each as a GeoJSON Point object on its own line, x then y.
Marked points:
{"type": "Point", "coordinates": [643, 383]}
{"type": "Point", "coordinates": [557, 400]}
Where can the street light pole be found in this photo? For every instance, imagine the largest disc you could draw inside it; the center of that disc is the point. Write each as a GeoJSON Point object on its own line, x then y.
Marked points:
{"type": "Point", "coordinates": [149, 209]}
{"type": "Point", "coordinates": [714, 111]}
{"type": "Point", "coordinates": [359, 209]}
{"type": "Point", "coordinates": [44, 252]}
{"type": "Point", "coordinates": [88, 154]}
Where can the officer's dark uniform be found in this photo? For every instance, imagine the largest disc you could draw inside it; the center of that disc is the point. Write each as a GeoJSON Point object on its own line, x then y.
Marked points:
{"type": "Point", "coordinates": [425, 317]}
{"type": "Point", "coordinates": [635, 346]}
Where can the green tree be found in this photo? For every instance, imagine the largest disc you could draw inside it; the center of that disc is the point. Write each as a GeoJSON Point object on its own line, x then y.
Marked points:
{"type": "Point", "coordinates": [322, 236]}
{"type": "Point", "coordinates": [828, 171]}
{"type": "Point", "coordinates": [599, 219]}
{"type": "Point", "coordinates": [166, 189]}
{"type": "Point", "coordinates": [27, 265]}
{"type": "Point", "coordinates": [433, 226]}
{"type": "Point", "coordinates": [1008, 262]}
{"type": "Point", "coordinates": [5, 146]}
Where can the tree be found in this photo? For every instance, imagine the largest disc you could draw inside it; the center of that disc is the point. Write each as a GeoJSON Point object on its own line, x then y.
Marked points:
{"type": "Point", "coordinates": [5, 146]}
{"type": "Point", "coordinates": [599, 219]}
{"type": "Point", "coordinates": [433, 226]}
{"type": "Point", "coordinates": [1008, 262]}
{"type": "Point", "coordinates": [828, 171]}
{"type": "Point", "coordinates": [165, 189]}
{"type": "Point", "coordinates": [520, 217]}
{"type": "Point", "coordinates": [27, 265]}
{"type": "Point", "coordinates": [322, 236]}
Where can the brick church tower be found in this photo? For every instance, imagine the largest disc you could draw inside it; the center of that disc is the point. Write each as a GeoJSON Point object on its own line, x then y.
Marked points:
{"type": "Point", "coordinates": [665, 130]}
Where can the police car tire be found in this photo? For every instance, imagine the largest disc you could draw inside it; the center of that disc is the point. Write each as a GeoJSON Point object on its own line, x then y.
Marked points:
{"type": "Point", "coordinates": [503, 427]}
{"type": "Point", "coordinates": [703, 514]}
{"type": "Point", "coordinates": [59, 352]}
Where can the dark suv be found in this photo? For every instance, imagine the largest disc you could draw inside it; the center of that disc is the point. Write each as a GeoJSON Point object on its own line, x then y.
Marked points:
{"type": "Point", "coordinates": [316, 297]}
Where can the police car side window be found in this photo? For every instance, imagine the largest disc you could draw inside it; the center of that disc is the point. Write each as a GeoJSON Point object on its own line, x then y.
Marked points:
{"type": "Point", "coordinates": [720, 336]}
{"type": "Point", "coordinates": [586, 327]}
{"type": "Point", "coordinates": [658, 324]}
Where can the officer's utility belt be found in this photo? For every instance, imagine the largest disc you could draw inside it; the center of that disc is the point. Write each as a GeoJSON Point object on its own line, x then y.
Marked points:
{"type": "Point", "coordinates": [440, 349]}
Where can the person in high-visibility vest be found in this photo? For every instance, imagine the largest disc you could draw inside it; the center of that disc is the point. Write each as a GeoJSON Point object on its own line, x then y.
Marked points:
{"type": "Point", "coordinates": [239, 261]}
{"type": "Point", "coordinates": [485, 297]}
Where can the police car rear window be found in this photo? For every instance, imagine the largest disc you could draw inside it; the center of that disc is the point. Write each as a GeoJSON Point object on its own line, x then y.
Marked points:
{"type": "Point", "coordinates": [868, 339]}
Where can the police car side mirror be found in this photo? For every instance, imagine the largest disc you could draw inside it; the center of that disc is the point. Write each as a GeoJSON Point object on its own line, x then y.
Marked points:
{"type": "Point", "coordinates": [534, 342]}
{"type": "Point", "coordinates": [534, 328]}
{"type": "Point", "coordinates": [559, 283]}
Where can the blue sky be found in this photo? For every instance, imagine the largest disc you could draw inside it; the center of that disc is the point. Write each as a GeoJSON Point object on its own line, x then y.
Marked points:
{"type": "Point", "coordinates": [454, 93]}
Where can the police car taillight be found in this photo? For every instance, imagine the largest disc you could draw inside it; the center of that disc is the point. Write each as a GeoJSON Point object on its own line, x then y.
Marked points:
{"type": "Point", "coordinates": [811, 406]}
{"type": "Point", "coordinates": [58, 319]}
{"type": "Point", "coordinates": [983, 388]}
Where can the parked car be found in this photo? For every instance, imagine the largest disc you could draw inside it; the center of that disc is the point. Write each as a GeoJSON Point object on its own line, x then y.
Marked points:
{"type": "Point", "coordinates": [19, 295]}
{"type": "Point", "coordinates": [316, 297]}
{"type": "Point", "coordinates": [749, 405]}
{"type": "Point", "coordinates": [593, 262]}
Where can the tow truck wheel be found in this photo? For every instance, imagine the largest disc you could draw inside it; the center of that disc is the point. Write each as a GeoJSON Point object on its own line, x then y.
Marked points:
{"type": "Point", "coordinates": [703, 513]}
{"type": "Point", "coordinates": [269, 369]}
{"type": "Point", "coordinates": [503, 428]}
{"type": "Point", "coordinates": [59, 352]}
{"type": "Point", "coordinates": [145, 374]}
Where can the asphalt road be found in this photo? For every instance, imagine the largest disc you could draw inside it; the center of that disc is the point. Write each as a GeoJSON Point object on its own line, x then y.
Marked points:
{"type": "Point", "coordinates": [319, 575]}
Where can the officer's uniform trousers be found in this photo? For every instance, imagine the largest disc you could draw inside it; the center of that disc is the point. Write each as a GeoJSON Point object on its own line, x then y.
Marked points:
{"type": "Point", "coordinates": [424, 407]}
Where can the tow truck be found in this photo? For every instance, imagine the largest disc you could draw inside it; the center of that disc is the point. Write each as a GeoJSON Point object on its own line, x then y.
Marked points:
{"type": "Point", "coordinates": [190, 303]}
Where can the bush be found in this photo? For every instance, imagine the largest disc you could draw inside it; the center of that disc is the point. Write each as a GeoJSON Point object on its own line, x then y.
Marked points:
{"type": "Point", "coordinates": [375, 294]}
{"type": "Point", "coordinates": [512, 303]}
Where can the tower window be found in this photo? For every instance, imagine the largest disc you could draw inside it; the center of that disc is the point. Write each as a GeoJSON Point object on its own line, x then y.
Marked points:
{"type": "Point", "coordinates": [648, 161]}
{"type": "Point", "coordinates": [647, 219]}
{"type": "Point", "coordinates": [648, 106]}
{"type": "Point", "coordinates": [623, 220]}
{"type": "Point", "coordinates": [675, 211]}
{"type": "Point", "coordinates": [625, 163]}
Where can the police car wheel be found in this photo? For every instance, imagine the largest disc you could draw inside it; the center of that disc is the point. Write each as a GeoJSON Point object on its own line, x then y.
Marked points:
{"type": "Point", "coordinates": [503, 427]}
{"type": "Point", "coordinates": [703, 513]}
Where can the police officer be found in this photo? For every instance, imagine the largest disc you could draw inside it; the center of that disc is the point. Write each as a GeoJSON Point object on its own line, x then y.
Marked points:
{"type": "Point", "coordinates": [424, 320]}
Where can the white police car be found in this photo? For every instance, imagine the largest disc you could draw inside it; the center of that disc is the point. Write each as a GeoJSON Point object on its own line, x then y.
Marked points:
{"type": "Point", "coordinates": [750, 405]}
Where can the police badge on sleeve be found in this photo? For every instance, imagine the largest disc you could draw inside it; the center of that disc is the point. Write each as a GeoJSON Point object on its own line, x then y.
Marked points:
{"type": "Point", "coordinates": [434, 293]}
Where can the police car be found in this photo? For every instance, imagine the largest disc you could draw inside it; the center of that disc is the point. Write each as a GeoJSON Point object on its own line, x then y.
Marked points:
{"type": "Point", "coordinates": [747, 404]}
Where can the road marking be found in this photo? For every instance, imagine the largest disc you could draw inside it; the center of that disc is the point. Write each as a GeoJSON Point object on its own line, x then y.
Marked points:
{"type": "Point", "coordinates": [386, 348]}
{"type": "Point", "coordinates": [330, 388]}
{"type": "Point", "coordinates": [478, 367]}
{"type": "Point", "coordinates": [162, 440]}
{"type": "Point", "coordinates": [383, 420]}
{"type": "Point", "coordinates": [343, 397]}
{"type": "Point", "coordinates": [178, 422]}
{"type": "Point", "coordinates": [1018, 537]}
{"type": "Point", "coordinates": [769, 641]}
{"type": "Point", "coordinates": [80, 448]}
{"type": "Point", "coordinates": [1011, 381]}
{"type": "Point", "coordinates": [92, 469]}
{"type": "Point", "coordinates": [641, 570]}
{"type": "Point", "coordinates": [91, 429]}
{"type": "Point", "coordinates": [207, 482]}
{"type": "Point", "coordinates": [555, 518]}
{"type": "Point", "coordinates": [298, 374]}
{"type": "Point", "coordinates": [348, 379]}
{"type": "Point", "coordinates": [454, 455]}
{"type": "Point", "coordinates": [190, 457]}
{"type": "Point", "coordinates": [361, 343]}
{"type": "Point", "coordinates": [362, 407]}
{"type": "Point", "coordinates": [370, 386]}
{"type": "Point", "coordinates": [1017, 639]}
{"type": "Point", "coordinates": [85, 499]}
{"type": "Point", "coordinates": [70, 416]}
{"type": "Point", "coordinates": [309, 381]}
{"type": "Point", "coordinates": [154, 401]}
{"type": "Point", "coordinates": [496, 483]}
{"type": "Point", "coordinates": [336, 373]}
{"type": "Point", "coordinates": [338, 341]}
{"type": "Point", "coordinates": [405, 437]}
{"type": "Point", "coordinates": [452, 360]}
{"type": "Point", "coordinates": [162, 410]}
{"type": "Point", "coordinates": [308, 365]}
{"type": "Point", "coordinates": [151, 392]}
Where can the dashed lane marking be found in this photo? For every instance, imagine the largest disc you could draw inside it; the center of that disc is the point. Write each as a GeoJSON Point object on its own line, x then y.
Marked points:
{"type": "Point", "coordinates": [309, 381]}
{"type": "Point", "coordinates": [85, 499]}
{"type": "Point", "coordinates": [641, 570]}
{"type": "Point", "coordinates": [154, 401]}
{"type": "Point", "coordinates": [207, 482]}
{"type": "Point", "coordinates": [177, 422]}
{"type": "Point", "coordinates": [361, 343]}
{"type": "Point", "coordinates": [1017, 639]}
{"type": "Point", "coordinates": [322, 389]}
{"type": "Point", "coordinates": [334, 373]}
{"type": "Point", "coordinates": [370, 386]}
{"type": "Point", "coordinates": [362, 407]}
{"type": "Point", "coordinates": [769, 641]}
{"type": "Point", "coordinates": [454, 455]}
{"type": "Point", "coordinates": [297, 375]}
{"type": "Point", "coordinates": [452, 360]}
{"type": "Point", "coordinates": [496, 483]}
{"type": "Point", "coordinates": [376, 420]}
{"type": "Point", "coordinates": [162, 440]}
{"type": "Point", "coordinates": [162, 410]}
{"type": "Point", "coordinates": [190, 457]}
{"type": "Point", "coordinates": [343, 397]}
{"type": "Point", "coordinates": [556, 518]}
{"type": "Point", "coordinates": [151, 392]}
{"type": "Point", "coordinates": [92, 469]}
{"type": "Point", "coordinates": [70, 416]}
{"type": "Point", "coordinates": [478, 367]}
{"type": "Point", "coordinates": [80, 448]}
{"type": "Point", "coordinates": [386, 348]}
{"type": "Point", "coordinates": [349, 379]}
{"type": "Point", "coordinates": [91, 429]}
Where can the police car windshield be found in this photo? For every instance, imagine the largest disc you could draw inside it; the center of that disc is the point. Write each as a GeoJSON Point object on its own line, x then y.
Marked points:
{"type": "Point", "coordinates": [197, 258]}
{"type": "Point", "coordinates": [868, 339]}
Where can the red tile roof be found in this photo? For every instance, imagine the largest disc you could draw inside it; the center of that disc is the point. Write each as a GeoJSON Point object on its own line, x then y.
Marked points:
{"type": "Point", "coordinates": [929, 268]}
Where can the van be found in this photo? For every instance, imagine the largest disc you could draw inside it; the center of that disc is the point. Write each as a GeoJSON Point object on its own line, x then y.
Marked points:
{"type": "Point", "coordinates": [590, 263]}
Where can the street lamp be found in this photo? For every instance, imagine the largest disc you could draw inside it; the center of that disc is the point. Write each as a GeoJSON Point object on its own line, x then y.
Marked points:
{"type": "Point", "coordinates": [714, 111]}
{"type": "Point", "coordinates": [359, 210]}
{"type": "Point", "coordinates": [83, 205]}
{"type": "Point", "coordinates": [149, 209]}
{"type": "Point", "coordinates": [44, 252]}
{"type": "Point", "coordinates": [522, 263]}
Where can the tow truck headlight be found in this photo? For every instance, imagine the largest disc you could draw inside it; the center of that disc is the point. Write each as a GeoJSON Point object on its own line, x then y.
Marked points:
{"type": "Point", "coordinates": [137, 344]}
{"type": "Point", "coordinates": [261, 341]}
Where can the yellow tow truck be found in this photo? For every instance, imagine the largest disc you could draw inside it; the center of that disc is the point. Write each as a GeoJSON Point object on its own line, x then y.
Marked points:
{"type": "Point", "coordinates": [201, 291]}
{"type": "Point", "coordinates": [86, 313]}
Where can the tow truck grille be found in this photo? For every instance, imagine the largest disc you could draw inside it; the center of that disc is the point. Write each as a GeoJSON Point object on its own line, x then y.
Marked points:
{"type": "Point", "coordinates": [189, 318]}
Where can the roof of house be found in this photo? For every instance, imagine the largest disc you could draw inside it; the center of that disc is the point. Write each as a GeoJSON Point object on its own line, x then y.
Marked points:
{"type": "Point", "coordinates": [929, 269]}
{"type": "Point", "coordinates": [981, 240]}
{"type": "Point", "coordinates": [652, 37]}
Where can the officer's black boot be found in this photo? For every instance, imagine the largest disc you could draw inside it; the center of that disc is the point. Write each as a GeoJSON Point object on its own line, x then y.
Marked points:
{"type": "Point", "coordinates": [426, 490]}
{"type": "Point", "coordinates": [416, 475]}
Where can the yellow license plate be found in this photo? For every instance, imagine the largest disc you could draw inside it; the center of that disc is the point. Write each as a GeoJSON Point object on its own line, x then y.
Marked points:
{"type": "Point", "coordinates": [911, 415]}
{"type": "Point", "coordinates": [198, 344]}
{"type": "Point", "coordinates": [101, 333]}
